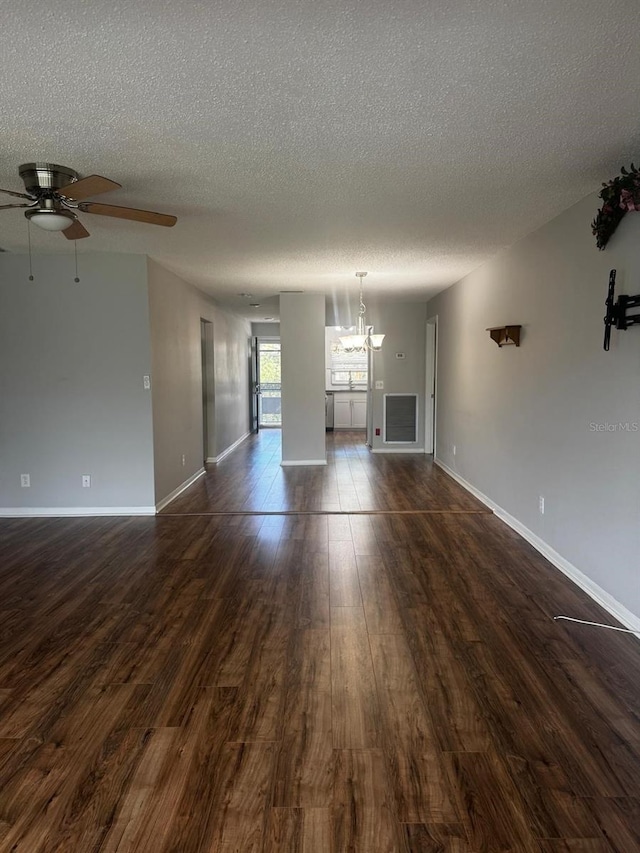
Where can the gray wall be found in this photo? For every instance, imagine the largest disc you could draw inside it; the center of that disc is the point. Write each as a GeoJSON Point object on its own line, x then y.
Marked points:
{"type": "Point", "coordinates": [404, 327]}
{"type": "Point", "coordinates": [176, 309]}
{"type": "Point", "coordinates": [232, 354]}
{"type": "Point", "coordinates": [526, 421]}
{"type": "Point", "coordinates": [72, 402]}
{"type": "Point", "coordinates": [265, 330]}
{"type": "Point", "coordinates": [303, 412]}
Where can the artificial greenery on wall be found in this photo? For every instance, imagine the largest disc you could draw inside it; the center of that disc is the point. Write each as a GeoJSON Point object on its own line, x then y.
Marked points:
{"type": "Point", "coordinates": [619, 196]}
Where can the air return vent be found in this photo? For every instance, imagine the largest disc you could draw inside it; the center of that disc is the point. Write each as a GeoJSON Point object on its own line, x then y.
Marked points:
{"type": "Point", "coordinates": [400, 418]}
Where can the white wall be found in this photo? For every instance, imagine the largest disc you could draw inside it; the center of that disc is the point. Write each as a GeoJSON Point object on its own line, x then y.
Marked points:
{"type": "Point", "coordinates": [522, 419]}
{"type": "Point", "coordinates": [72, 402]}
{"type": "Point", "coordinates": [303, 408]}
{"type": "Point", "coordinates": [176, 309]}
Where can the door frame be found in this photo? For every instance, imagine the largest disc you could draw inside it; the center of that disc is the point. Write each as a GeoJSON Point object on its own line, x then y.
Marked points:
{"type": "Point", "coordinates": [370, 381]}
{"type": "Point", "coordinates": [431, 387]}
{"type": "Point", "coordinates": [254, 389]}
{"type": "Point", "coordinates": [208, 390]}
{"type": "Point", "coordinates": [267, 339]}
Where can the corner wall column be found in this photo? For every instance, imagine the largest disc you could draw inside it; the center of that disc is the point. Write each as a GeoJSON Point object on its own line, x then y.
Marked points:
{"type": "Point", "coordinates": [302, 321]}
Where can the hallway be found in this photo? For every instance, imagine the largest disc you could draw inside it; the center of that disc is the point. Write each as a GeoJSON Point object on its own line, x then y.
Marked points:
{"type": "Point", "coordinates": [354, 480]}
{"type": "Point", "coordinates": [383, 682]}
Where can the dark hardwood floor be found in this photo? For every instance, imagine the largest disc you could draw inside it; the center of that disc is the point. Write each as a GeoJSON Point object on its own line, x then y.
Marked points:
{"type": "Point", "coordinates": [308, 682]}
{"type": "Point", "coordinates": [354, 480]}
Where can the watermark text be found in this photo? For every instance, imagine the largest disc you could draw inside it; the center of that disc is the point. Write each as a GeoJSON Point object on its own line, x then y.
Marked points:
{"type": "Point", "coordinates": [620, 426]}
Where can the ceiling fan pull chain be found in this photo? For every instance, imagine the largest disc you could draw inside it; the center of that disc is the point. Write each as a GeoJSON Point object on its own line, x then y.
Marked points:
{"type": "Point", "coordinates": [29, 238]}
{"type": "Point", "coordinates": [75, 251]}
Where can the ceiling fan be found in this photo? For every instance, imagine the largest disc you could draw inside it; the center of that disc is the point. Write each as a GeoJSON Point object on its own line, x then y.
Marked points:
{"type": "Point", "coordinates": [54, 194]}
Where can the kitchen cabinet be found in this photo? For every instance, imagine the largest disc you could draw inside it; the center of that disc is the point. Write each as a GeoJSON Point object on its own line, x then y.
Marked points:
{"type": "Point", "coordinates": [359, 413]}
{"type": "Point", "coordinates": [350, 410]}
{"type": "Point", "coordinates": [341, 413]}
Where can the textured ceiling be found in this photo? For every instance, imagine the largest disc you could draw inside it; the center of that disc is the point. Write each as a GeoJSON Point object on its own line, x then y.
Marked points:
{"type": "Point", "coordinates": [300, 141]}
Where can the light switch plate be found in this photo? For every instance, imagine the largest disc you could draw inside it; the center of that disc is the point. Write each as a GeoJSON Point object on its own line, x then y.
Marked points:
{"type": "Point", "coordinates": [379, 385]}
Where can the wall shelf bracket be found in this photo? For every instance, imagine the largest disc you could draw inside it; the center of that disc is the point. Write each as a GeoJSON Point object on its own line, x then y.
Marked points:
{"type": "Point", "coordinates": [505, 335]}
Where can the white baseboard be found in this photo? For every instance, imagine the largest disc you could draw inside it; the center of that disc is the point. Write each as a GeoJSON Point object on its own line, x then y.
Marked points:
{"type": "Point", "coordinates": [287, 463]}
{"type": "Point", "coordinates": [66, 511]}
{"type": "Point", "coordinates": [397, 449]}
{"type": "Point", "coordinates": [229, 449]}
{"type": "Point", "coordinates": [593, 590]}
{"type": "Point", "coordinates": [174, 494]}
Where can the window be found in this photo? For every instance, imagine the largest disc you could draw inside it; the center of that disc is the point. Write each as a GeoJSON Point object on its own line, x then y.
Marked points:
{"type": "Point", "coordinates": [347, 368]}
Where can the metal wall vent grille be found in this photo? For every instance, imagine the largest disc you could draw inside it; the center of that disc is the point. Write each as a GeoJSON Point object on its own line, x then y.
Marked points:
{"type": "Point", "coordinates": [400, 418]}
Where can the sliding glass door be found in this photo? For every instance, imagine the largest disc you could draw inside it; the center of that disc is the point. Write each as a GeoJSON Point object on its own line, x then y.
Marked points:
{"type": "Point", "coordinates": [269, 396]}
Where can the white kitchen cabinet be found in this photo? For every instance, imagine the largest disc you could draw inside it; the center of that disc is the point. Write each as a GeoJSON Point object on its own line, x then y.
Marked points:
{"type": "Point", "coordinates": [350, 410]}
{"type": "Point", "coordinates": [341, 412]}
{"type": "Point", "coordinates": [359, 413]}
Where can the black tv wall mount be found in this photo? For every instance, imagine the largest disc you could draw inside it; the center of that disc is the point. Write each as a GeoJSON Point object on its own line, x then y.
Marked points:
{"type": "Point", "coordinates": [617, 312]}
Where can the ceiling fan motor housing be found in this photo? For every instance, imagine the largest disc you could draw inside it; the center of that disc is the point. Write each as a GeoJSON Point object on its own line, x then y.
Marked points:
{"type": "Point", "coordinates": [42, 178]}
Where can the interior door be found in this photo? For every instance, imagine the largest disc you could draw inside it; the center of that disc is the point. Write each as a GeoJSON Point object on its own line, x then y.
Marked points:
{"type": "Point", "coordinates": [205, 390]}
{"type": "Point", "coordinates": [431, 371]}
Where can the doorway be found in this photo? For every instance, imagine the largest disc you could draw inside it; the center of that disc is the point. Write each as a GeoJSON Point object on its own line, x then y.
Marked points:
{"type": "Point", "coordinates": [432, 384]}
{"type": "Point", "coordinates": [208, 396]}
{"type": "Point", "coordinates": [269, 383]}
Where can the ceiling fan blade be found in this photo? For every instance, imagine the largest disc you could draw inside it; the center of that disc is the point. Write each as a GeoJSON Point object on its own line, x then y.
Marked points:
{"type": "Point", "coordinates": [147, 216]}
{"type": "Point", "coordinates": [14, 194]}
{"type": "Point", "coordinates": [86, 187]}
{"type": "Point", "coordinates": [76, 231]}
{"type": "Point", "coordinates": [7, 206]}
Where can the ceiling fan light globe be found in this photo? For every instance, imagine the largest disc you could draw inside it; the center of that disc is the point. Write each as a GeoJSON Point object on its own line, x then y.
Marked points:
{"type": "Point", "coordinates": [50, 220]}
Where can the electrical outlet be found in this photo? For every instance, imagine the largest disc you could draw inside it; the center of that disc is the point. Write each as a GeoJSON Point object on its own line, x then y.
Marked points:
{"type": "Point", "coordinates": [379, 385]}
{"type": "Point", "coordinates": [86, 481]}
{"type": "Point", "coordinates": [25, 480]}
{"type": "Point", "coordinates": [184, 460]}
{"type": "Point", "coordinates": [146, 383]}
{"type": "Point", "coordinates": [454, 450]}
{"type": "Point", "coordinates": [541, 505]}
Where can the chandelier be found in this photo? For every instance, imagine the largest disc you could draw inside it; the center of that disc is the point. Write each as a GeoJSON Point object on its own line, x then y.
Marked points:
{"type": "Point", "coordinates": [362, 340]}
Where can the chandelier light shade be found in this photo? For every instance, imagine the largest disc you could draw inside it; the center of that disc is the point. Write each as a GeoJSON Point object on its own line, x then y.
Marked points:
{"type": "Point", "coordinates": [353, 342]}
{"type": "Point", "coordinates": [362, 340]}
